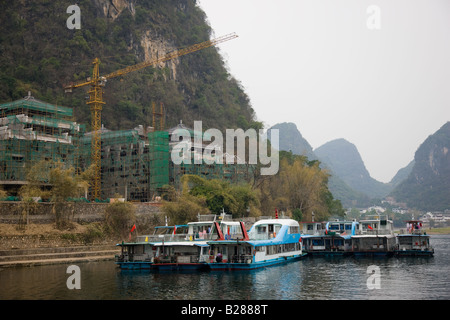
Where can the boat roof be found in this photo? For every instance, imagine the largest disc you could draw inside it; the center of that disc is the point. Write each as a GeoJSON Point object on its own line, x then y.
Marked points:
{"type": "Point", "coordinates": [344, 236]}
{"type": "Point", "coordinates": [200, 243]}
{"type": "Point", "coordinates": [171, 227]}
{"type": "Point", "coordinates": [281, 221]}
{"type": "Point", "coordinates": [181, 243]}
{"type": "Point", "coordinates": [373, 236]}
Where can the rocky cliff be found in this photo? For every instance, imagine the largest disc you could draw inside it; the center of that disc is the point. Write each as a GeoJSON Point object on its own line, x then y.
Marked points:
{"type": "Point", "coordinates": [39, 53]}
{"type": "Point", "coordinates": [428, 184]}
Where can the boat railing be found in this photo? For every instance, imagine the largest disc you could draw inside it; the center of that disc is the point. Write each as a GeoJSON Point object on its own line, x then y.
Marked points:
{"type": "Point", "coordinates": [241, 258]}
{"type": "Point", "coordinates": [162, 237]}
{"type": "Point", "coordinates": [262, 236]}
{"type": "Point", "coordinates": [213, 236]}
{"type": "Point", "coordinates": [415, 231]}
{"type": "Point", "coordinates": [381, 232]}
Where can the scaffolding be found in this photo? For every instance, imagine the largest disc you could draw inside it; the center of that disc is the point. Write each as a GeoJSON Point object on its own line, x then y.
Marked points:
{"type": "Point", "coordinates": [159, 161]}
{"type": "Point", "coordinates": [135, 164]}
{"type": "Point", "coordinates": [233, 172]}
{"type": "Point", "coordinates": [32, 131]}
{"type": "Point", "coordinates": [125, 169]}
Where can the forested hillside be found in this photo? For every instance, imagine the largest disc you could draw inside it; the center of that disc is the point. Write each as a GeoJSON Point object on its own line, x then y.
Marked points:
{"type": "Point", "coordinates": [39, 53]}
{"type": "Point", "coordinates": [428, 184]}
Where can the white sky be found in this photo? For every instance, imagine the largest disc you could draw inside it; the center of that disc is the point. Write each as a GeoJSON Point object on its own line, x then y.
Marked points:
{"type": "Point", "coordinates": [317, 64]}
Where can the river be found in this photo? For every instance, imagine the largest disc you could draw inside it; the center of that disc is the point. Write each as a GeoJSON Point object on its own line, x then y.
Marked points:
{"type": "Point", "coordinates": [308, 279]}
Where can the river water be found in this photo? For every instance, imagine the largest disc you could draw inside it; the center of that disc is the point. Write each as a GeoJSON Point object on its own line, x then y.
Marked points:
{"type": "Point", "coordinates": [311, 278]}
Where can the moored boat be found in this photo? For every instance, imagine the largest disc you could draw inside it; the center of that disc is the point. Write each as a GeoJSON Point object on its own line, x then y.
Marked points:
{"type": "Point", "coordinates": [375, 238]}
{"type": "Point", "coordinates": [181, 247]}
{"type": "Point", "coordinates": [415, 242]}
{"type": "Point", "coordinates": [269, 242]}
{"type": "Point", "coordinates": [332, 238]}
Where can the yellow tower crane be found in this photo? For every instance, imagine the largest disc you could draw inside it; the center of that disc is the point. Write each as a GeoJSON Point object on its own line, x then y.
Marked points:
{"type": "Point", "coordinates": [96, 101]}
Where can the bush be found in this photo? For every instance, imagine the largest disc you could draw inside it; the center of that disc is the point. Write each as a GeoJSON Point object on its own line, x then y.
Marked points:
{"type": "Point", "coordinates": [119, 217]}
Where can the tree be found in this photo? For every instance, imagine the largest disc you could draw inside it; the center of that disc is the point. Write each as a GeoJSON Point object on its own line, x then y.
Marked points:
{"type": "Point", "coordinates": [236, 199]}
{"type": "Point", "coordinates": [56, 182]}
{"type": "Point", "coordinates": [300, 186]}
{"type": "Point", "coordinates": [119, 217]}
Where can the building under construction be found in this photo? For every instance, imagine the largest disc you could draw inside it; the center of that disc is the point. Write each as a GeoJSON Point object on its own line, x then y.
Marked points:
{"type": "Point", "coordinates": [31, 131]}
{"type": "Point", "coordinates": [135, 164]}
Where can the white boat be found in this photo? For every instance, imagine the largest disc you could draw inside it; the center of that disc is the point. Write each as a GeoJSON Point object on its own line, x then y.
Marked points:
{"type": "Point", "coordinates": [374, 237]}
{"type": "Point", "coordinates": [180, 247]}
{"type": "Point", "coordinates": [414, 242]}
{"type": "Point", "coordinates": [269, 242]}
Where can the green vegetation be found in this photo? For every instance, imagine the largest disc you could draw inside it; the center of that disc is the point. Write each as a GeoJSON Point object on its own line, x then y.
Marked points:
{"type": "Point", "coordinates": [51, 181]}
{"type": "Point", "coordinates": [299, 189]}
{"type": "Point", "coordinates": [119, 218]}
{"type": "Point", "coordinates": [40, 54]}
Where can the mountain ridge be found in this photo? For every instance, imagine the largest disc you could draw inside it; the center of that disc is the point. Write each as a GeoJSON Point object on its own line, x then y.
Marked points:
{"type": "Point", "coordinates": [39, 53]}
{"type": "Point", "coordinates": [427, 187]}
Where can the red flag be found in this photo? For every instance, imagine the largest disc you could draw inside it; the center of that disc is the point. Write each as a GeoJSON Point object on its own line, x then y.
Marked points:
{"type": "Point", "coordinates": [368, 226]}
{"type": "Point", "coordinates": [134, 228]}
{"type": "Point", "coordinates": [276, 213]}
{"type": "Point", "coordinates": [174, 229]}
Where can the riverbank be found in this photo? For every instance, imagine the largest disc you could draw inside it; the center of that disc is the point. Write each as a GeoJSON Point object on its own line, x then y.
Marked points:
{"type": "Point", "coordinates": [47, 235]}
{"type": "Point", "coordinates": [44, 244]}
{"type": "Point", "coordinates": [436, 231]}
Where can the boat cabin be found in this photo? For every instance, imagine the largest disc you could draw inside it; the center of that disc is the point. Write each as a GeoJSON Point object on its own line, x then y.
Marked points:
{"type": "Point", "coordinates": [415, 242]}
{"type": "Point", "coordinates": [376, 225]}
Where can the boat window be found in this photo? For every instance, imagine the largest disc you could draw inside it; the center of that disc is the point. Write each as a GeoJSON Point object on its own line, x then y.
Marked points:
{"type": "Point", "coordinates": [277, 228]}
{"type": "Point", "coordinates": [261, 229]}
{"type": "Point", "coordinates": [334, 226]}
{"type": "Point", "coordinates": [348, 227]}
{"type": "Point", "coordinates": [294, 229]}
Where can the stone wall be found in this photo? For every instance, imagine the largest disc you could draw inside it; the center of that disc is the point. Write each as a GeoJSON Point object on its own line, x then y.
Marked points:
{"type": "Point", "coordinates": [11, 212]}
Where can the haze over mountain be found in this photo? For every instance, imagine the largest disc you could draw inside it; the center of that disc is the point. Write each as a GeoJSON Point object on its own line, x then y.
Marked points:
{"type": "Point", "coordinates": [344, 160]}
{"type": "Point", "coordinates": [427, 186]}
{"type": "Point", "coordinates": [424, 184]}
{"type": "Point", "coordinates": [292, 140]}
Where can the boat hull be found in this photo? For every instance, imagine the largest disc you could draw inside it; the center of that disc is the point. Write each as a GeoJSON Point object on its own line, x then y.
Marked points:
{"type": "Point", "coordinates": [381, 254]}
{"type": "Point", "coordinates": [414, 253]}
{"type": "Point", "coordinates": [162, 266]}
{"type": "Point", "coordinates": [329, 253]}
{"type": "Point", "coordinates": [224, 266]}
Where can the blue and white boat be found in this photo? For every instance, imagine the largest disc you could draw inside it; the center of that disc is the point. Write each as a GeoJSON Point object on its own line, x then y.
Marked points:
{"type": "Point", "coordinates": [269, 242]}
{"type": "Point", "coordinates": [332, 238]}
{"type": "Point", "coordinates": [414, 242]}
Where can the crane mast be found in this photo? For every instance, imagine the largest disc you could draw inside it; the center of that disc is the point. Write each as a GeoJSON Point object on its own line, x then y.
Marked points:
{"type": "Point", "coordinates": [96, 101]}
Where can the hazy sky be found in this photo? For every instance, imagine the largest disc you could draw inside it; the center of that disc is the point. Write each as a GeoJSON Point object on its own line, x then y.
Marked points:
{"type": "Point", "coordinates": [376, 73]}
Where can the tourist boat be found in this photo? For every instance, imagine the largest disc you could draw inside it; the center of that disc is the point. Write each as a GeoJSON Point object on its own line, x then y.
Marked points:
{"type": "Point", "coordinates": [181, 247]}
{"type": "Point", "coordinates": [374, 237]}
{"type": "Point", "coordinates": [332, 238]}
{"type": "Point", "coordinates": [415, 242]}
{"type": "Point", "coordinates": [269, 242]}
